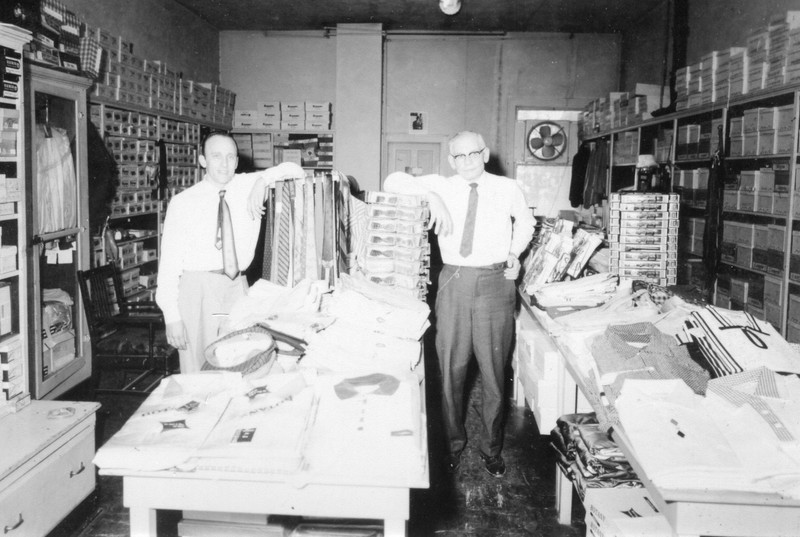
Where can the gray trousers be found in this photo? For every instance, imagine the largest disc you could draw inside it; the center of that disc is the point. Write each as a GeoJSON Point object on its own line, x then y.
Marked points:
{"type": "Point", "coordinates": [474, 317]}
{"type": "Point", "coordinates": [202, 297]}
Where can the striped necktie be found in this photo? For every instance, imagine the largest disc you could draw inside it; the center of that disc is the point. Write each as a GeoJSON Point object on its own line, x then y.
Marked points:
{"type": "Point", "coordinates": [224, 242]}
{"type": "Point", "coordinates": [269, 225]}
{"type": "Point", "coordinates": [469, 222]}
{"type": "Point", "coordinates": [282, 249]}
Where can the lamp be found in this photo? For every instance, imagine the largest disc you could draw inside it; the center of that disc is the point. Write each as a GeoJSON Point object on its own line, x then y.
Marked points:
{"type": "Point", "coordinates": [449, 7]}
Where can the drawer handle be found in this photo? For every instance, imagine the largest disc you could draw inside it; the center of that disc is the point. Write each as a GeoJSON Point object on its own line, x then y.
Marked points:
{"type": "Point", "coordinates": [73, 473]}
{"type": "Point", "coordinates": [15, 526]}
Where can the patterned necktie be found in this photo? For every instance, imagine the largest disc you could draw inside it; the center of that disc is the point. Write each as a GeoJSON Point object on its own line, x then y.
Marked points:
{"type": "Point", "coordinates": [282, 248]}
{"type": "Point", "coordinates": [224, 242]}
{"type": "Point", "coordinates": [469, 222]}
{"type": "Point", "coordinates": [269, 225]}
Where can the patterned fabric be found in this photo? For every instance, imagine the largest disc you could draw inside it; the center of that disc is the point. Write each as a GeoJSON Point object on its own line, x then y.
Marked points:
{"type": "Point", "coordinates": [735, 341]}
{"type": "Point", "coordinates": [282, 254]}
{"type": "Point", "coordinates": [91, 55]}
{"type": "Point", "coordinates": [734, 388]}
{"type": "Point", "coordinates": [225, 242]}
{"type": "Point", "coordinates": [640, 350]}
{"type": "Point", "coordinates": [269, 227]}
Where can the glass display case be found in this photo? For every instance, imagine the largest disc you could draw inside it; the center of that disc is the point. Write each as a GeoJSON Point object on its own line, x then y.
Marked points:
{"type": "Point", "coordinates": [57, 226]}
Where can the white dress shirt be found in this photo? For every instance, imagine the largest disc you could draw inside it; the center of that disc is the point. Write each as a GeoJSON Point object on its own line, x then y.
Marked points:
{"type": "Point", "coordinates": [499, 200]}
{"type": "Point", "coordinates": [188, 240]}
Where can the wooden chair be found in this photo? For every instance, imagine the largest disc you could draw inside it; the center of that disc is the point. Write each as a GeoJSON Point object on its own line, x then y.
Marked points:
{"type": "Point", "coordinates": [127, 337]}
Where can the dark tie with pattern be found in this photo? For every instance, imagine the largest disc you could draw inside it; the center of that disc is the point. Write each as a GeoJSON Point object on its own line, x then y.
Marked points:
{"type": "Point", "coordinates": [224, 242]}
{"type": "Point", "coordinates": [469, 222]}
{"type": "Point", "coordinates": [282, 246]}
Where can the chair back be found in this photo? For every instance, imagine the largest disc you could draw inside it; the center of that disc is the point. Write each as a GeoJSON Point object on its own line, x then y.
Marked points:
{"type": "Point", "coordinates": [102, 296]}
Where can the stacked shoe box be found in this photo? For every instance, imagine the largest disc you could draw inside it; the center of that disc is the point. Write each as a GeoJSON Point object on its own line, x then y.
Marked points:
{"type": "Point", "coordinates": [397, 249]}
{"type": "Point", "coordinates": [643, 236]}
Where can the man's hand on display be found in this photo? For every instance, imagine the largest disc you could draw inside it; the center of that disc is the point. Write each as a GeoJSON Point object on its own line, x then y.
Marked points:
{"type": "Point", "coordinates": [441, 223]}
{"type": "Point", "coordinates": [176, 335]}
{"type": "Point", "coordinates": [512, 267]}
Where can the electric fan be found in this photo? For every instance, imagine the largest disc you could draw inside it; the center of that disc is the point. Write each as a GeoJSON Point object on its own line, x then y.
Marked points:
{"type": "Point", "coordinates": [547, 140]}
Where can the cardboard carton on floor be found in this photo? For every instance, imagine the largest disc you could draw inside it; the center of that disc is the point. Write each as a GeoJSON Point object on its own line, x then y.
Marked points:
{"type": "Point", "coordinates": [624, 512]}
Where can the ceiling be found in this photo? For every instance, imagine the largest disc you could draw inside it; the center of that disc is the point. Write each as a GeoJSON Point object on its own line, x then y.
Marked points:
{"type": "Point", "coordinates": [571, 16]}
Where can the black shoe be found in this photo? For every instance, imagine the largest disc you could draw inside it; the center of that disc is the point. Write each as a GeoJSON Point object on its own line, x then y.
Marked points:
{"type": "Point", "coordinates": [452, 462]}
{"type": "Point", "coordinates": [494, 465]}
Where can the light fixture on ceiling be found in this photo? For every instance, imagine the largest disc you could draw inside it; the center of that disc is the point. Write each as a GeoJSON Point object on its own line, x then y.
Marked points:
{"type": "Point", "coordinates": [449, 7]}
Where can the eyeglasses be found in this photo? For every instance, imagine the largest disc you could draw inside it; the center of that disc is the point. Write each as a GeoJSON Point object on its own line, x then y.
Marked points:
{"type": "Point", "coordinates": [464, 156]}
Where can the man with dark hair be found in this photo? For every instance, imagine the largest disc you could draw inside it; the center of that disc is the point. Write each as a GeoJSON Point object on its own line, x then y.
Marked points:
{"type": "Point", "coordinates": [209, 239]}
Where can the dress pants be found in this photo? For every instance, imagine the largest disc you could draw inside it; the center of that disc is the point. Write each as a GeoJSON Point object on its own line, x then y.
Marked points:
{"type": "Point", "coordinates": [474, 316]}
{"type": "Point", "coordinates": [202, 296]}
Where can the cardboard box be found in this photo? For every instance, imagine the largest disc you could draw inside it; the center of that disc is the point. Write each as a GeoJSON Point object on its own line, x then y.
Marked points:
{"type": "Point", "coordinates": [57, 351]}
{"type": "Point", "coordinates": [609, 511]}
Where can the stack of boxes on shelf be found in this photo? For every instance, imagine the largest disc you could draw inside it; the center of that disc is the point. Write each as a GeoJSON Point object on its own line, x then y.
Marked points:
{"type": "Point", "coordinates": [620, 109]}
{"type": "Point", "coordinates": [181, 141]}
{"type": "Point", "coordinates": [762, 131]}
{"type": "Point", "coordinates": [299, 133]}
{"type": "Point", "coordinates": [770, 59]}
{"type": "Point", "coordinates": [692, 185]}
{"type": "Point", "coordinates": [756, 247]}
{"type": "Point", "coordinates": [697, 140]}
{"type": "Point", "coordinates": [691, 233]}
{"type": "Point", "coordinates": [662, 146]}
{"type": "Point", "coordinates": [643, 236]}
{"type": "Point", "coordinates": [62, 39]}
{"type": "Point", "coordinates": [10, 75]}
{"type": "Point", "coordinates": [57, 37]}
{"type": "Point", "coordinates": [13, 390]}
{"type": "Point", "coordinates": [397, 249]}
{"type": "Point", "coordinates": [764, 191]}
{"type": "Point", "coordinates": [132, 80]}
{"type": "Point", "coordinates": [626, 148]}
{"type": "Point", "coordinates": [285, 116]}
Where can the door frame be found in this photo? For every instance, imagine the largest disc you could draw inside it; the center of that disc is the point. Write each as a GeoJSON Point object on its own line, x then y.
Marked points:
{"type": "Point", "coordinates": [412, 139]}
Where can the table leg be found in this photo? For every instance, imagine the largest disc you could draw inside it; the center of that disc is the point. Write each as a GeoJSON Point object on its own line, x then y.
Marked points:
{"type": "Point", "coordinates": [563, 498]}
{"type": "Point", "coordinates": [394, 527]}
{"type": "Point", "coordinates": [143, 522]}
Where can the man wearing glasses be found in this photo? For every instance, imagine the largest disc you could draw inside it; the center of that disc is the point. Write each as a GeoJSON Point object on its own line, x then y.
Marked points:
{"type": "Point", "coordinates": [483, 225]}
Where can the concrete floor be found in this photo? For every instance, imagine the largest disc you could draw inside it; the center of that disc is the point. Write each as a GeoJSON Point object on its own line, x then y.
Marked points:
{"type": "Point", "coordinates": [470, 503]}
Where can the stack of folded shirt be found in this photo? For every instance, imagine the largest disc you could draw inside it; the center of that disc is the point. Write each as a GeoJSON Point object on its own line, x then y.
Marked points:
{"type": "Point", "coordinates": [589, 456]}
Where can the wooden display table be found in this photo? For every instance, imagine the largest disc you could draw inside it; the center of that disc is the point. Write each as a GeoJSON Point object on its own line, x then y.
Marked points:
{"type": "Point", "coordinates": [689, 512]}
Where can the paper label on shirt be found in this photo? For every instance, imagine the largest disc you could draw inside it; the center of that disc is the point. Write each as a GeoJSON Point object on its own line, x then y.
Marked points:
{"type": "Point", "coordinates": [65, 257]}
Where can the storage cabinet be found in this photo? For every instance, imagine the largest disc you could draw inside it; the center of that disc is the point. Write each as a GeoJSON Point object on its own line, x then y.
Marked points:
{"type": "Point", "coordinates": [46, 468]}
{"type": "Point", "coordinates": [759, 269]}
{"type": "Point", "coordinates": [57, 228]}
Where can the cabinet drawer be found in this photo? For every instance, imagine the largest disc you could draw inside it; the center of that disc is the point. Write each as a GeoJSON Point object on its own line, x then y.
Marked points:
{"type": "Point", "coordinates": [38, 501]}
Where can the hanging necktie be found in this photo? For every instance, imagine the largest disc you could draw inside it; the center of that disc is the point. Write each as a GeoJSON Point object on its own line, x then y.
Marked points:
{"type": "Point", "coordinates": [269, 226]}
{"type": "Point", "coordinates": [469, 222]}
{"type": "Point", "coordinates": [224, 242]}
{"type": "Point", "coordinates": [328, 232]}
{"type": "Point", "coordinates": [312, 259]}
{"type": "Point", "coordinates": [299, 223]}
{"type": "Point", "coordinates": [282, 250]}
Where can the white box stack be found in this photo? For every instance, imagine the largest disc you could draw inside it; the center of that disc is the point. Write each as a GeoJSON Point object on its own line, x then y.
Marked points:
{"type": "Point", "coordinates": [397, 251]}
{"type": "Point", "coordinates": [643, 235]}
